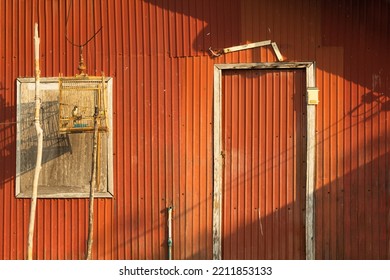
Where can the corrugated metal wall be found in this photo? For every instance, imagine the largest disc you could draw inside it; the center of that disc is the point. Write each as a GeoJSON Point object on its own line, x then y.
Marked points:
{"type": "Point", "coordinates": [156, 52]}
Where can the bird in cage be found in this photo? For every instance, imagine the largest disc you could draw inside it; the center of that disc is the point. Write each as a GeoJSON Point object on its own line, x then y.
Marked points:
{"type": "Point", "coordinates": [76, 114]}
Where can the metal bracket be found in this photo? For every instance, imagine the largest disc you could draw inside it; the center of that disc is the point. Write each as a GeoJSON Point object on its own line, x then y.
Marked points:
{"type": "Point", "coordinates": [246, 47]}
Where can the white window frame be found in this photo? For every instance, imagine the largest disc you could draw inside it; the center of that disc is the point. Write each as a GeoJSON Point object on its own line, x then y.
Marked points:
{"type": "Point", "coordinates": [52, 83]}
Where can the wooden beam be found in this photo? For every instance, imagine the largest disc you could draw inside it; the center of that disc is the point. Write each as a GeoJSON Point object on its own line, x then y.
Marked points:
{"type": "Point", "coordinates": [277, 52]}
{"type": "Point", "coordinates": [268, 65]}
{"type": "Point", "coordinates": [310, 168]}
{"type": "Point", "coordinates": [247, 46]}
{"type": "Point", "coordinates": [218, 166]}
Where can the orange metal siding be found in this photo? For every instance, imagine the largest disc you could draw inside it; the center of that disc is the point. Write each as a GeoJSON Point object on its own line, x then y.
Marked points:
{"type": "Point", "coordinates": [156, 52]}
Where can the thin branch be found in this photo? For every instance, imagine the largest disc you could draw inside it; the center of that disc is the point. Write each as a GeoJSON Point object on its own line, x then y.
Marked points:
{"type": "Point", "coordinates": [39, 150]}
{"type": "Point", "coordinates": [92, 185]}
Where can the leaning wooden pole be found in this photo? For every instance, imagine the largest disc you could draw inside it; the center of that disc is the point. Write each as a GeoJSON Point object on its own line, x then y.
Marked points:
{"type": "Point", "coordinates": [39, 149]}
{"type": "Point", "coordinates": [93, 185]}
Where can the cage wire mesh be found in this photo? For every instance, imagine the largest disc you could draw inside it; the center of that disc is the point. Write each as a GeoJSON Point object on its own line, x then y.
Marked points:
{"type": "Point", "coordinates": [78, 98]}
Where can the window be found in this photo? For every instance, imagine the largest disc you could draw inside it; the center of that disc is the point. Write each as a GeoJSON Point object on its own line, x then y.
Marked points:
{"type": "Point", "coordinates": [67, 157]}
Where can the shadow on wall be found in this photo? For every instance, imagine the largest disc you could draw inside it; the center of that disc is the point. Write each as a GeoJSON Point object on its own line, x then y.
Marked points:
{"type": "Point", "coordinates": [379, 101]}
{"type": "Point", "coordinates": [196, 26]}
{"type": "Point", "coordinates": [7, 139]}
{"type": "Point", "coordinates": [354, 217]}
{"type": "Point", "coordinates": [336, 34]}
{"type": "Point", "coordinates": [357, 231]}
{"type": "Point", "coordinates": [54, 144]}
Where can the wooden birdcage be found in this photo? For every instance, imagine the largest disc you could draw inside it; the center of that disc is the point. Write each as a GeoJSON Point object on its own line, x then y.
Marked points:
{"type": "Point", "coordinates": [81, 99]}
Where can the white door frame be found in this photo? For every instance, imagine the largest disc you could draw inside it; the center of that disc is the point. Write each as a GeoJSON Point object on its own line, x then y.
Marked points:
{"type": "Point", "coordinates": [310, 152]}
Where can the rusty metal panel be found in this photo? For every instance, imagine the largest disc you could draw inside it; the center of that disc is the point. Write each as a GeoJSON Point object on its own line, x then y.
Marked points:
{"type": "Point", "coordinates": [156, 52]}
{"type": "Point", "coordinates": [264, 179]}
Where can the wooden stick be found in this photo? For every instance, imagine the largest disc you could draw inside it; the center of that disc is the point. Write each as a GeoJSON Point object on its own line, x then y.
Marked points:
{"type": "Point", "coordinates": [92, 186]}
{"type": "Point", "coordinates": [39, 150]}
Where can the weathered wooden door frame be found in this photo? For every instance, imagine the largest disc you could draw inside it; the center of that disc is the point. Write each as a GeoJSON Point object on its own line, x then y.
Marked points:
{"type": "Point", "coordinates": [218, 153]}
